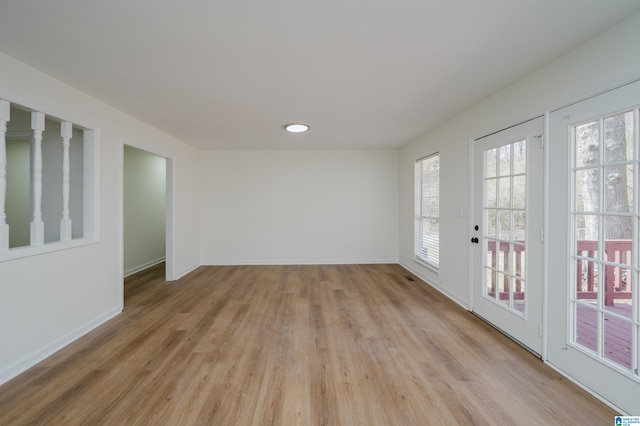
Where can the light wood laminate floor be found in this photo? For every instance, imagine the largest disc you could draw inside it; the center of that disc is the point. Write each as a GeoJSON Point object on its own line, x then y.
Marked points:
{"type": "Point", "coordinates": [294, 345]}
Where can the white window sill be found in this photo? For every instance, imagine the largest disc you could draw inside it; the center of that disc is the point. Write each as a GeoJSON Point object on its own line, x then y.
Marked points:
{"type": "Point", "coordinates": [427, 264]}
{"type": "Point", "coordinates": [28, 251]}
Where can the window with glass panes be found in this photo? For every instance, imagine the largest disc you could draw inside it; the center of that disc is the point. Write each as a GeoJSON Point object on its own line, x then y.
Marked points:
{"type": "Point", "coordinates": [604, 302]}
{"type": "Point", "coordinates": [427, 205]}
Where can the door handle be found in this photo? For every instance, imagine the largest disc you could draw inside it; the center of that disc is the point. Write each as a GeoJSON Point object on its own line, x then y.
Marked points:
{"type": "Point", "coordinates": [475, 240]}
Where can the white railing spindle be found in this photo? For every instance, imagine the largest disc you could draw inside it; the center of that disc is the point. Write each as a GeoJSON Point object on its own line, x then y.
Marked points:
{"type": "Point", "coordinates": [4, 227]}
{"type": "Point", "coordinates": [37, 225]}
{"type": "Point", "coordinates": [66, 131]}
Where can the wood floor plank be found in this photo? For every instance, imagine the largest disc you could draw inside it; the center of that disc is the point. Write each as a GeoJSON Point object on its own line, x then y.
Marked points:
{"type": "Point", "coordinates": [293, 345]}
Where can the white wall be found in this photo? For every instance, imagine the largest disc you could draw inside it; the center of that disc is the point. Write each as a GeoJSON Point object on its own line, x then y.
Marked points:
{"type": "Point", "coordinates": [144, 209]}
{"type": "Point", "coordinates": [288, 207]}
{"type": "Point", "coordinates": [598, 65]}
{"type": "Point", "coordinates": [48, 300]}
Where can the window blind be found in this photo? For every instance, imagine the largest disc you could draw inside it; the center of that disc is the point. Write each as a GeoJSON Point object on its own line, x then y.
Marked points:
{"type": "Point", "coordinates": [427, 209]}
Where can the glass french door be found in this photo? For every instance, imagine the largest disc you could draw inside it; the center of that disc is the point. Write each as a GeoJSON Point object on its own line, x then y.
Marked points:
{"type": "Point", "coordinates": [507, 243]}
{"type": "Point", "coordinates": [594, 264]}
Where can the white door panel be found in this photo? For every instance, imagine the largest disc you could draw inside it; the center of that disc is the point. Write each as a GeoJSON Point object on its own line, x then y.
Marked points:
{"type": "Point", "coordinates": [594, 265]}
{"type": "Point", "coordinates": [508, 214]}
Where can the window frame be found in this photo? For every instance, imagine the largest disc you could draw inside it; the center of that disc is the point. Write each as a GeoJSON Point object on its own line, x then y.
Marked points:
{"type": "Point", "coordinates": [420, 216]}
{"type": "Point", "coordinates": [91, 194]}
{"type": "Point", "coordinates": [599, 260]}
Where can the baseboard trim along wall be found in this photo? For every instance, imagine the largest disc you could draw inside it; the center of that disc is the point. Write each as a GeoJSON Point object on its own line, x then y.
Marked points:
{"type": "Point", "coordinates": [143, 266]}
{"type": "Point", "coordinates": [48, 350]}
{"type": "Point", "coordinates": [301, 262]}
{"type": "Point", "coordinates": [441, 289]}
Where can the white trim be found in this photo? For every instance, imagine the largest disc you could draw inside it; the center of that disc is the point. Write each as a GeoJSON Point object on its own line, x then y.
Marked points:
{"type": "Point", "coordinates": [441, 289]}
{"type": "Point", "coordinates": [426, 264]}
{"type": "Point", "coordinates": [521, 344]}
{"type": "Point", "coordinates": [594, 93]}
{"type": "Point", "coordinates": [419, 216]}
{"type": "Point", "coordinates": [91, 184]}
{"type": "Point", "coordinates": [590, 370]}
{"type": "Point", "coordinates": [28, 251]}
{"type": "Point", "coordinates": [90, 196]}
{"type": "Point", "coordinates": [144, 266]}
{"type": "Point", "coordinates": [120, 178]}
{"type": "Point", "coordinates": [472, 220]}
{"type": "Point", "coordinates": [91, 206]}
{"type": "Point", "coordinates": [257, 262]}
{"type": "Point", "coordinates": [507, 127]}
{"type": "Point", "coordinates": [170, 254]}
{"type": "Point", "coordinates": [35, 357]}
{"type": "Point", "coordinates": [599, 397]}
{"type": "Point", "coordinates": [170, 221]}
{"type": "Point", "coordinates": [188, 270]}
{"type": "Point", "coordinates": [491, 311]}
{"type": "Point", "coordinates": [545, 245]}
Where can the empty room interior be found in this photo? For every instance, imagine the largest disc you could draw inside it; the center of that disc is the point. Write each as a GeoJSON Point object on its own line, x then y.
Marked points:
{"type": "Point", "coordinates": [338, 212]}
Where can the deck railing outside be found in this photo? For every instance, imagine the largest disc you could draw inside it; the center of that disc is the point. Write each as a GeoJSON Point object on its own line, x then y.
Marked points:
{"type": "Point", "coordinates": [616, 275]}
{"type": "Point", "coordinates": [500, 259]}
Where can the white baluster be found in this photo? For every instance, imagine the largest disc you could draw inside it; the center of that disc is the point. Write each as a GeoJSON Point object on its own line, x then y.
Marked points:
{"type": "Point", "coordinates": [37, 225]}
{"type": "Point", "coordinates": [4, 227]}
{"type": "Point", "coordinates": [66, 132]}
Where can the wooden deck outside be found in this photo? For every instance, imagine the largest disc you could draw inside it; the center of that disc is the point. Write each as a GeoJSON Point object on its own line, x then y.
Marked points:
{"type": "Point", "coordinates": [617, 333]}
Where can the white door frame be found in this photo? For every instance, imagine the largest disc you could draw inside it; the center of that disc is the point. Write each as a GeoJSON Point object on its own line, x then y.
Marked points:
{"type": "Point", "coordinates": [473, 284]}
{"type": "Point", "coordinates": [169, 215]}
{"type": "Point", "coordinates": [590, 374]}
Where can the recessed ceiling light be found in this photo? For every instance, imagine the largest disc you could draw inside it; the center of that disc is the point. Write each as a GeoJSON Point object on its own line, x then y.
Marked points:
{"type": "Point", "coordinates": [296, 128]}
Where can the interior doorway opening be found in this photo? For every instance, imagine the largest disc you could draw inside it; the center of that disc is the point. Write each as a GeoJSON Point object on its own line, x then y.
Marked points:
{"type": "Point", "coordinates": [146, 204]}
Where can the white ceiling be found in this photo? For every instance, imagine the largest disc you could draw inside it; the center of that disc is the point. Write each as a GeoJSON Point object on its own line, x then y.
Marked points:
{"type": "Point", "coordinates": [363, 73]}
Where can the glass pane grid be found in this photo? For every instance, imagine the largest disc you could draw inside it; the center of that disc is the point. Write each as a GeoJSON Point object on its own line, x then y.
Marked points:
{"type": "Point", "coordinates": [505, 224]}
{"type": "Point", "coordinates": [505, 273]}
{"type": "Point", "coordinates": [585, 331]}
{"type": "Point", "coordinates": [605, 216]}
{"type": "Point", "coordinates": [612, 164]}
{"type": "Point", "coordinates": [617, 340]}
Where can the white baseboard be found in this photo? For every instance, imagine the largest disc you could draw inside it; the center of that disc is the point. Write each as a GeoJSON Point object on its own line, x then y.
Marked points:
{"type": "Point", "coordinates": [142, 267]}
{"type": "Point", "coordinates": [615, 408]}
{"type": "Point", "coordinates": [300, 262]}
{"type": "Point", "coordinates": [29, 361]}
{"type": "Point", "coordinates": [186, 271]}
{"type": "Point", "coordinates": [441, 289]}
